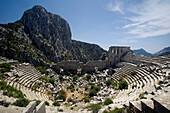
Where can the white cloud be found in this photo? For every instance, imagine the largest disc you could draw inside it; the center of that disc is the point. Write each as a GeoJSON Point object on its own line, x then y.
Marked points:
{"type": "Point", "coordinates": [127, 41]}
{"type": "Point", "coordinates": [152, 18]}
{"type": "Point", "coordinates": [115, 7]}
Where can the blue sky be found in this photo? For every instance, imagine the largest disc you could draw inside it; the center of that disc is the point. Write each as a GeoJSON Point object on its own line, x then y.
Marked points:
{"type": "Point", "coordinates": [135, 23]}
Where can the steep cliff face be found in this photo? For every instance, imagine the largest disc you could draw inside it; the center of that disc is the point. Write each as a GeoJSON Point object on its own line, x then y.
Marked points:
{"type": "Point", "coordinates": [47, 38]}
{"type": "Point", "coordinates": [49, 32]}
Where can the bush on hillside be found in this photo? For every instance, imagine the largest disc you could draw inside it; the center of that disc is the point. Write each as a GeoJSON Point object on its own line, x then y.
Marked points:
{"type": "Point", "coordinates": [44, 78]}
{"type": "Point", "coordinates": [93, 90]}
{"type": "Point", "coordinates": [41, 69]}
{"type": "Point", "coordinates": [56, 103]}
{"type": "Point", "coordinates": [109, 82]}
{"type": "Point", "coordinates": [108, 101]}
{"type": "Point", "coordinates": [22, 102]}
{"type": "Point", "coordinates": [37, 102]}
{"type": "Point", "coordinates": [52, 80]}
{"type": "Point", "coordinates": [5, 67]}
{"type": "Point", "coordinates": [75, 77]}
{"type": "Point", "coordinates": [123, 85]}
{"type": "Point", "coordinates": [85, 99]}
{"type": "Point", "coordinates": [60, 77]}
{"type": "Point", "coordinates": [2, 76]}
{"type": "Point", "coordinates": [92, 93]}
{"type": "Point", "coordinates": [47, 103]}
{"type": "Point", "coordinates": [62, 95]}
{"type": "Point", "coordinates": [95, 108]}
{"type": "Point", "coordinates": [133, 73]}
{"type": "Point", "coordinates": [10, 91]}
{"type": "Point", "coordinates": [88, 76]}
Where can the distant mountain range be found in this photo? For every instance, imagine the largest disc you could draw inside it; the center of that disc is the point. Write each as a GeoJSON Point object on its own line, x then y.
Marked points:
{"type": "Point", "coordinates": [162, 52]}
{"type": "Point", "coordinates": [141, 51]}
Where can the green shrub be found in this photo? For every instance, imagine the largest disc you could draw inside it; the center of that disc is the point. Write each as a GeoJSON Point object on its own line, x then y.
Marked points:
{"type": "Point", "coordinates": [56, 103]}
{"type": "Point", "coordinates": [17, 94]}
{"type": "Point", "coordinates": [49, 92]}
{"type": "Point", "coordinates": [133, 73]}
{"type": "Point", "coordinates": [41, 69]}
{"type": "Point", "coordinates": [96, 88]}
{"type": "Point", "coordinates": [37, 102]}
{"type": "Point", "coordinates": [22, 102]}
{"type": "Point", "coordinates": [95, 108]}
{"type": "Point", "coordinates": [5, 67]}
{"type": "Point", "coordinates": [52, 80]}
{"type": "Point", "coordinates": [93, 90]}
{"type": "Point", "coordinates": [60, 77]}
{"type": "Point", "coordinates": [75, 77]}
{"type": "Point", "coordinates": [109, 82]}
{"type": "Point", "coordinates": [2, 76]}
{"type": "Point", "coordinates": [44, 78]}
{"type": "Point", "coordinates": [90, 84]}
{"type": "Point", "coordinates": [3, 85]}
{"type": "Point", "coordinates": [123, 85]}
{"type": "Point", "coordinates": [88, 76]}
{"type": "Point", "coordinates": [108, 101]}
{"type": "Point", "coordinates": [47, 103]}
{"type": "Point", "coordinates": [86, 99]}
{"type": "Point", "coordinates": [10, 91]}
{"type": "Point", "coordinates": [92, 93]}
{"type": "Point", "coordinates": [62, 95]}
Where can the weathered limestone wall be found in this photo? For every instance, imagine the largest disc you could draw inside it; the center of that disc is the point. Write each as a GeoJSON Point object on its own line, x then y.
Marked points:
{"type": "Point", "coordinates": [74, 65]}
{"type": "Point", "coordinates": [115, 53]}
{"type": "Point", "coordinates": [90, 66]}
{"type": "Point", "coordinates": [30, 108]}
{"type": "Point", "coordinates": [70, 65]}
{"type": "Point", "coordinates": [41, 108]}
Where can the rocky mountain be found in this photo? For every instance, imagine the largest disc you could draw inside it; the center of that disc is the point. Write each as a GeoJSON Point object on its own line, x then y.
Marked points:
{"type": "Point", "coordinates": [163, 52]}
{"type": "Point", "coordinates": [41, 37]}
{"type": "Point", "coordinates": [141, 51]}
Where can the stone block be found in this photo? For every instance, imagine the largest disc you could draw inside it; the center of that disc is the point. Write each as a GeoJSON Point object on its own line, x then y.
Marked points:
{"type": "Point", "coordinates": [41, 108]}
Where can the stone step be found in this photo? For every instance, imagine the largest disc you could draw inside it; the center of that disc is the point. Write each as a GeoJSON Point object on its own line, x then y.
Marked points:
{"type": "Point", "coordinates": [147, 106]}
{"type": "Point", "coordinates": [135, 107]}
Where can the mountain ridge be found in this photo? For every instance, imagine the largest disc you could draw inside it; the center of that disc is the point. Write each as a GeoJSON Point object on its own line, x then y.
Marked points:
{"type": "Point", "coordinates": [162, 52]}
{"type": "Point", "coordinates": [141, 51]}
{"type": "Point", "coordinates": [41, 37]}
